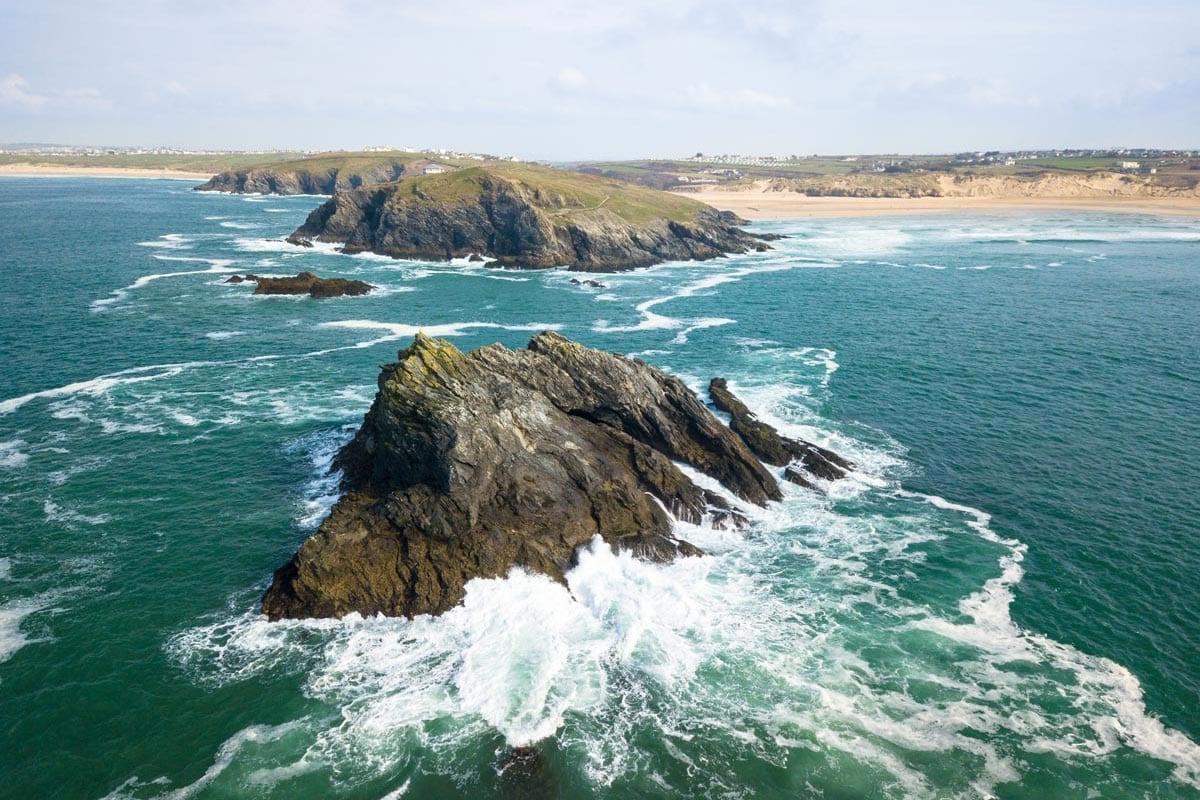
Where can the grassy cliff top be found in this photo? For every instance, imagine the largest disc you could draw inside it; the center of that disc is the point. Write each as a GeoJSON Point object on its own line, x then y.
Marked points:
{"type": "Point", "coordinates": [559, 192]}
{"type": "Point", "coordinates": [346, 161]}
{"type": "Point", "coordinates": [283, 161]}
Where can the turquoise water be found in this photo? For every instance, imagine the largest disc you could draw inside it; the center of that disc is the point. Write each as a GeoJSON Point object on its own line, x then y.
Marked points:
{"type": "Point", "coordinates": [1000, 603]}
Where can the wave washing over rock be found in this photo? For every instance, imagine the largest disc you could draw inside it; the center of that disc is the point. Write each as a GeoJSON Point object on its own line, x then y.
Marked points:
{"type": "Point", "coordinates": [468, 465]}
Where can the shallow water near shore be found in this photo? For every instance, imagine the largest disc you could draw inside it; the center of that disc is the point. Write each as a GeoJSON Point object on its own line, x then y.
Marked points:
{"type": "Point", "coordinates": [999, 603]}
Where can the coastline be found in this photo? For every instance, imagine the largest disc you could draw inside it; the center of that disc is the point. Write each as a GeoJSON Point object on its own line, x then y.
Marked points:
{"type": "Point", "coordinates": [757, 204]}
{"type": "Point", "coordinates": [56, 171]}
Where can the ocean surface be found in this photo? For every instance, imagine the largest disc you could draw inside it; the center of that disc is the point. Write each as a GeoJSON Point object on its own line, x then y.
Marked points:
{"type": "Point", "coordinates": [1004, 600]}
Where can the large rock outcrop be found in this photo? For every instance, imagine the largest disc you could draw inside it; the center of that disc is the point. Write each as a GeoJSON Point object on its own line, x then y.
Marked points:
{"type": "Point", "coordinates": [467, 465]}
{"type": "Point", "coordinates": [527, 217]}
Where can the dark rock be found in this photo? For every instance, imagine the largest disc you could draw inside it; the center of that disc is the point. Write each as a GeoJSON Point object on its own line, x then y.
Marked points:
{"type": "Point", "coordinates": [301, 178]}
{"type": "Point", "coordinates": [525, 222]}
{"type": "Point", "coordinates": [802, 459]}
{"type": "Point", "coordinates": [475, 258]}
{"type": "Point", "coordinates": [310, 284]}
{"type": "Point", "coordinates": [590, 283]}
{"type": "Point", "coordinates": [528, 775]}
{"type": "Point", "coordinates": [470, 464]}
{"type": "Point", "coordinates": [296, 240]}
{"type": "Point", "coordinates": [235, 279]}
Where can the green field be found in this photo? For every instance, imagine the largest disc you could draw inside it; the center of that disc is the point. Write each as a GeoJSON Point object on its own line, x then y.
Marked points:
{"type": "Point", "coordinates": [200, 162]}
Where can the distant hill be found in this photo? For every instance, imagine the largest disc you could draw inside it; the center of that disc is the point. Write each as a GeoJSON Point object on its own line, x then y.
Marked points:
{"type": "Point", "coordinates": [326, 173]}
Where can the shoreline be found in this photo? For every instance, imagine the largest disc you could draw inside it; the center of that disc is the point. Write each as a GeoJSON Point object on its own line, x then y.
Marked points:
{"type": "Point", "coordinates": [756, 204]}
{"type": "Point", "coordinates": [57, 171]}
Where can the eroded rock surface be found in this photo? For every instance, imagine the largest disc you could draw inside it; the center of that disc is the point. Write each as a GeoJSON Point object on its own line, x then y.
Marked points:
{"type": "Point", "coordinates": [469, 464]}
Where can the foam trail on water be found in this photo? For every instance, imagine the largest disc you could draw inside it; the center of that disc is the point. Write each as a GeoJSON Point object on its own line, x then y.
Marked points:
{"type": "Point", "coordinates": [217, 266]}
{"type": "Point", "coordinates": [654, 321]}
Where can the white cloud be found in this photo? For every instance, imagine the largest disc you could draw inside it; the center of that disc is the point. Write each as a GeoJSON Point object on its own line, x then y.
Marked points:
{"type": "Point", "coordinates": [706, 97]}
{"type": "Point", "coordinates": [570, 78]}
{"type": "Point", "coordinates": [15, 92]}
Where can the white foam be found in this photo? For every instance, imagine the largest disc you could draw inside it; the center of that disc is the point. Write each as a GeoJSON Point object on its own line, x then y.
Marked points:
{"type": "Point", "coordinates": [12, 615]}
{"type": "Point", "coordinates": [67, 516]}
{"type": "Point", "coordinates": [216, 266]}
{"type": "Point", "coordinates": [221, 335]}
{"type": "Point", "coordinates": [655, 321]}
{"type": "Point", "coordinates": [11, 456]}
{"type": "Point", "coordinates": [324, 488]}
{"type": "Point", "coordinates": [170, 241]}
{"type": "Point", "coordinates": [242, 226]}
{"type": "Point", "coordinates": [397, 330]}
{"type": "Point", "coordinates": [5, 568]}
{"type": "Point", "coordinates": [99, 386]}
{"type": "Point", "coordinates": [700, 324]}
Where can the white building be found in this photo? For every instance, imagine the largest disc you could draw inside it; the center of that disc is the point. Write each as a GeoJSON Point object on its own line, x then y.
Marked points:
{"type": "Point", "coordinates": [435, 169]}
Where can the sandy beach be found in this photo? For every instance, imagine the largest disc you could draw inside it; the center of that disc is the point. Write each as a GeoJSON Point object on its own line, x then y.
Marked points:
{"type": "Point", "coordinates": [57, 171]}
{"type": "Point", "coordinates": [755, 203]}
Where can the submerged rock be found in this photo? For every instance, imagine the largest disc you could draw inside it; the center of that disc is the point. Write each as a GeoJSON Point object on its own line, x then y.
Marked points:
{"type": "Point", "coordinates": [306, 283]}
{"type": "Point", "coordinates": [803, 460]}
{"type": "Point", "coordinates": [469, 464]}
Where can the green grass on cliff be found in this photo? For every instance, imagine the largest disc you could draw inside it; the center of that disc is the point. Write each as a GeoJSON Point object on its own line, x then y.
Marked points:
{"type": "Point", "coordinates": [214, 163]}
{"type": "Point", "coordinates": [560, 193]}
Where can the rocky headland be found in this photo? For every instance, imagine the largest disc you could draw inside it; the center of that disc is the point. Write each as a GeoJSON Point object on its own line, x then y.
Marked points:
{"type": "Point", "coordinates": [321, 174]}
{"type": "Point", "coordinates": [525, 216]}
{"type": "Point", "coordinates": [305, 283]}
{"type": "Point", "coordinates": [470, 464]}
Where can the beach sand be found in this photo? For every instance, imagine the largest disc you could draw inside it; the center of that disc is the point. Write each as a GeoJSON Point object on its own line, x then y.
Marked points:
{"type": "Point", "coordinates": [59, 171]}
{"type": "Point", "coordinates": [755, 203]}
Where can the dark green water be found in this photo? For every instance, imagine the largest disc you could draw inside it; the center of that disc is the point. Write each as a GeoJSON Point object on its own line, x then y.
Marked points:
{"type": "Point", "coordinates": [1000, 604]}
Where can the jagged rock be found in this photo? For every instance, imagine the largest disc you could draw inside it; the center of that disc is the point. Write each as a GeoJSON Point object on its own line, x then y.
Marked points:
{"type": "Point", "coordinates": [802, 459]}
{"type": "Point", "coordinates": [299, 242]}
{"type": "Point", "coordinates": [310, 284]}
{"type": "Point", "coordinates": [590, 283]}
{"type": "Point", "coordinates": [235, 279]}
{"type": "Point", "coordinates": [527, 217]}
{"type": "Point", "coordinates": [470, 464]}
{"type": "Point", "coordinates": [475, 258]}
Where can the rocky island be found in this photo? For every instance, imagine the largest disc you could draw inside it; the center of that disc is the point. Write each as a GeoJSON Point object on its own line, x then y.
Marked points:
{"type": "Point", "coordinates": [525, 216]}
{"type": "Point", "coordinates": [305, 283]}
{"type": "Point", "coordinates": [470, 464]}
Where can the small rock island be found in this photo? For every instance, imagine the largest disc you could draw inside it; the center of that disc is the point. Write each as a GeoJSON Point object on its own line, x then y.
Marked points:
{"type": "Point", "coordinates": [526, 216]}
{"type": "Point", "coordinates": [305, 283]}
{"type": "Point", "coordinates": [469, 464]}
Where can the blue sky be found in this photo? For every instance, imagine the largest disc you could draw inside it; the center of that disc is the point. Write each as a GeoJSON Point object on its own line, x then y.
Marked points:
{"type": "Point", "coordinates": [563, 80]}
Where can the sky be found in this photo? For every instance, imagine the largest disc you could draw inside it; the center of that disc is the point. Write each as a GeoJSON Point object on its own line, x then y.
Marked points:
{"type": "Point", "coordinates": [603, 79]}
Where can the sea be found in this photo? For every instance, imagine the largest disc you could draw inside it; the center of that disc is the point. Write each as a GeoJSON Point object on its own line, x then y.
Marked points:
{"type": "Point", "coordinates": [1002, 601]}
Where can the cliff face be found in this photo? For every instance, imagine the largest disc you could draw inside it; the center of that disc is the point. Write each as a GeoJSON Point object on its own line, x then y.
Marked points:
{"type": "Point", "coordinates": [538, 219]}
{"type": "Point", "coordinates": [284, 179]}
{"type": "Point", "coordinates": [469, 464]}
